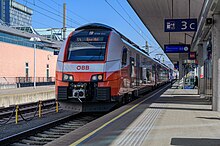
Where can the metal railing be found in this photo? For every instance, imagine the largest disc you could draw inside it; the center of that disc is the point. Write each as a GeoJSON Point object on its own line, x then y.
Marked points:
{"type": "Point", "coordinates": [31, 79]}
{"type": "Point", "coordinates": [15, 80]}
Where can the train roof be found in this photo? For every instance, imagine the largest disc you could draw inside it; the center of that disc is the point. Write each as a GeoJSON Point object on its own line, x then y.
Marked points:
{"type": "Point", "coordinates": [95, 26]}
{"type": "Point", "coordinates": [106, 27]}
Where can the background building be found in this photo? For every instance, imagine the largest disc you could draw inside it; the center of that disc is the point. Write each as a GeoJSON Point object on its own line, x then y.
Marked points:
{"type": "Point", "coordinates": [17, 50]}
{"type": "Point", "coordinates": [17, 57]}
{"type": "Point", "coordinates": [14, 14]}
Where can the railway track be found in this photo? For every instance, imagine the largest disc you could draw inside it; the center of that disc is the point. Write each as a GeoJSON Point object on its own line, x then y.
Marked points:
{"type": "Point", "coordinates": [8, 113]}
{"type": "Point", "coordinates": [46, 133]}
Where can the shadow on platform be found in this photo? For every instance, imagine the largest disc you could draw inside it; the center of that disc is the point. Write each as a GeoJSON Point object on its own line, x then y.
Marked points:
{"type": "Point", "coordinates": [195, 142]}
{"type": "Point", "coordinates": [209, 118]}
{"type": "Point", "coordinates": [177, 108]}
{"type": "Point", "coordinates": [184, 100]}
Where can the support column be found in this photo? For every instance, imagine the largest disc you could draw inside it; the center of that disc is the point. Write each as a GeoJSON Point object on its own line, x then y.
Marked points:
{"type": "Point", "coordinates": [216, 62]}
{"type": "Point", "coordinates": [180, 67]}
{"type": "Point", "coordinates": [201, 79]}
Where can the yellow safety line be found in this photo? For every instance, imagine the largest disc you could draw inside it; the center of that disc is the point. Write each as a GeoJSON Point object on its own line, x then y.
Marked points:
{"type": "Point", "coordinates": [112, 120]}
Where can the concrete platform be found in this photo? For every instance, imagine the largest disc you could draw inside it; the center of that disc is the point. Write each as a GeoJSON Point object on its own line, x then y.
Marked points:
{"type": "Point", "coordinates": [158, 120]}
{"type": "Point", "coordinates": [177, 120]}
{"type": "Point", "coordinates": [172, 92]}
{"type": "Point", "coordinates": [24, 95]}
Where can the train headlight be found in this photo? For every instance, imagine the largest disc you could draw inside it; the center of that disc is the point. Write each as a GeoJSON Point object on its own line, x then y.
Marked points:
{"type": "Point", "coordinates": [100, 77]}
{"type": "Point", "coordinates": [71, 78]}
{"type": "Point", "coordinates": [96, 78]}
{"type": "Point", "coordinates": [67, 78]}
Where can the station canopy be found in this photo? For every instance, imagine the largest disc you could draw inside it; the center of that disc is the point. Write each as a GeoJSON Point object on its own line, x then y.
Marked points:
{"type": "Point", "coordinates": [153, 13]}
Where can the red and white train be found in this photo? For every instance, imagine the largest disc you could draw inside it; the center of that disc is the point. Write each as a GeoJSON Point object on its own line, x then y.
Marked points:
{"type": "Point", "coordinates": [98, 68]}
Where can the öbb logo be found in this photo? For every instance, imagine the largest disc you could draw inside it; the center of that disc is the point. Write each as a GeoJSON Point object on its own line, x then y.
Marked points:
{"type": "Point", "coordinates": [82, 67]}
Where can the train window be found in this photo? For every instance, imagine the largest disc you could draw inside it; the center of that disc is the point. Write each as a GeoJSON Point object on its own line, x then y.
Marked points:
{"type": "Point", "coordinates": [124, 56]}
{"type": "Point", "coordinates": [87, 51]}
{"type": "Point", "coordinates": [87, 46]}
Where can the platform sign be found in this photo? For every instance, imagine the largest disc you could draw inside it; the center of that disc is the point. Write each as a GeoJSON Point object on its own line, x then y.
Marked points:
{"type": "Point", "coordinates": [202, 72]}
{"type": "Point", "coordinates": [192, 55]}
{"type": "Point", "coordinates": [179, 25]}
{"type": "Point", "coordinates": [176, 48]}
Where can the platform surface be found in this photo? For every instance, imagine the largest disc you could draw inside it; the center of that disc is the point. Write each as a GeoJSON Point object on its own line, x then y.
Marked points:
{"type": "Point", "coordinates": [26, 90]}
{"type": "Point", "coordinates": [163, 120]}
{"type": "Point", "coordinates": [174, 120]}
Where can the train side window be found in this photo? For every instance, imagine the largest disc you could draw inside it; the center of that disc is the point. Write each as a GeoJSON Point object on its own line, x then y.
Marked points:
{"type": "Point", "coordinates": [124, 57]}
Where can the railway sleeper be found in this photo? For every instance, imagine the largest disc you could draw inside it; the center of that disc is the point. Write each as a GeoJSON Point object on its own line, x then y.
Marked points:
{"type": "Point", "coordinates": [75, 126]}
{"type": "Point", "coordinates": [59, 130]}
{"type": "Point", "coordinates": [32, 142]}
{"type": "Point", "coordinates": [46, 139]}
{"type": "Point", "coordinates": [52, 133]}
{"type": "Point", "coordinates": [70, 126]}
{"type": "Point", "coordinates": [18, 144]}
{"type": "Point", "coordinates": [77, 123]}
{"type": "Point", "coordinates": [47, 135]}
{"type": "Point", "coordinates": [87, 119]}
{"type": "Point", "coordinates": [64, 128]}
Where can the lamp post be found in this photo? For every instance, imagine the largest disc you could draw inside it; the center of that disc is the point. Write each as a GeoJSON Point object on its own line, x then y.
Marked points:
{"type": "Point", "coordinates": [35, 39]}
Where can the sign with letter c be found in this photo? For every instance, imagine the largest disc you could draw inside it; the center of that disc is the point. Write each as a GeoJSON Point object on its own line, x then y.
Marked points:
{"type": "Point", "coordinates": [179, 25]}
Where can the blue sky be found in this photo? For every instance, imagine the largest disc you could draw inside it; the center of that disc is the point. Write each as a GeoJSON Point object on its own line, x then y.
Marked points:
{"type": "Point", "coordinates": [48, 13]}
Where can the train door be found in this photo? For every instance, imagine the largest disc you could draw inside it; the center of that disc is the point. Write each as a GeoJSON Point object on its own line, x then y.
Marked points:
{"type": "Point", "coordinates": [149, 74]}
{"type": "Point", "coordinates": [144, 75]}
{"type": "Point", "coordinates": [124, 69]}
{"type": "Point", "coordinates": [138, 69]}
{"type": "Point", "coordinates": [124, 57]}
{"type": "Point", "coordinates": [144, 71]}
{"type": "Point", "coordinates": [132, 71]}
{"type": "Point", "coordinates": [154, 70]}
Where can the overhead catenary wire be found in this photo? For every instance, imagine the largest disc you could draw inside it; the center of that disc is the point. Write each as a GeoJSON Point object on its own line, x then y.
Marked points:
{"type": "Point", "coordinates": [136, 23]}
{"type": "Point", "coordinates": [126, 20]}
{"type": "Point", "coordinates": [45, 25]}
{"type": "Point", "coordinates": [128, 15]}
{"type": "Point", "coordinates": [49, 12]}
{"type": "Point", "coordinates": [86, 20]}
{"type": "Point", "coordinates": [49, 16]}
{"type": "Point", "coordinates": [130, 23]}
{"type": "Point", "coordinates": [68, 18]}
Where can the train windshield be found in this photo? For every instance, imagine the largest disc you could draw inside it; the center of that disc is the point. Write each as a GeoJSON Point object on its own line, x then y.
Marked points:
{"type": "Point", "coordinates": [88, 46]}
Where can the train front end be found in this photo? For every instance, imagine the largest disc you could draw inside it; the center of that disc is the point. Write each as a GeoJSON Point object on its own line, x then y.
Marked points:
{"type": "Point", "coordinates": [81, 83]}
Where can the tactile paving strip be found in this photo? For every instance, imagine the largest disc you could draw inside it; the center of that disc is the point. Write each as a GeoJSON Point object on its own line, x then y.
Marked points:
{"type": "Point", "coordinates": [139, 129]}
